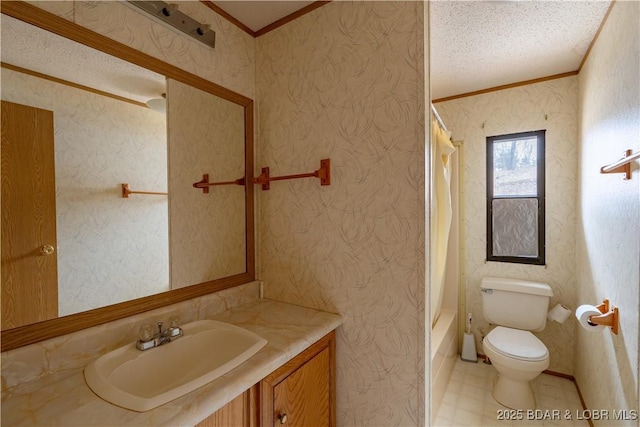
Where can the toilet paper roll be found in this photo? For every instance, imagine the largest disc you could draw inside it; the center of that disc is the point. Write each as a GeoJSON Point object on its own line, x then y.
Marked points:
{"type": "Point", "coordinates": [584, 312]}
{"type": "Point", "coordinates": [559, 313]}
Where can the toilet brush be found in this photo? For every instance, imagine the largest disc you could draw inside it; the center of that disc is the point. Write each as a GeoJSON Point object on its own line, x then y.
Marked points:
{"type": "Point", "coordinates": [469, 353]}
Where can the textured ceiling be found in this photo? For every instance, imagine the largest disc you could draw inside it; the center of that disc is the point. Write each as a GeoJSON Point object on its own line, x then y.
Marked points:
{"type": "Point", "coordinates": [38, 50]}
{"type": "Point", "coordinates": [482, 44]}
{"type": "Point", "coordinates": [474, 45]}
{"type": "Point", "coordinates": [258, 14]}
{"type": "Point", "coordinates": [477, 45]}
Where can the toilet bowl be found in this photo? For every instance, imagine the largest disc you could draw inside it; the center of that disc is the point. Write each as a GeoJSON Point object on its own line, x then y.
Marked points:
{"type": "Point", "coordinates": [519, 357]}
{"type": "Point", "coordinates": [515, 307]}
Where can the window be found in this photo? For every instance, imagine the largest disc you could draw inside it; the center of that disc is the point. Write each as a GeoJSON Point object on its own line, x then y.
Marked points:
{"type": "Point", "coordinates": [515, 198]}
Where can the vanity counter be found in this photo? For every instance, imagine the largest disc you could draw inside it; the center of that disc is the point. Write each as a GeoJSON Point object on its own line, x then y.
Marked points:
{"type": "Point", "coordinates": [65, 399]}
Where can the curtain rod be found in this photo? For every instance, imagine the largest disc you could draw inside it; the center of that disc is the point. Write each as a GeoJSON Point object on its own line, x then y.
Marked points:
{"type": "Point", "coordinates": [438, 118]}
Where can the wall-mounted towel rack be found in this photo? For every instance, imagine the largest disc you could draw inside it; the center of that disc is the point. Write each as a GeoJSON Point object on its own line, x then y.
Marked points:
{"type": "Point", "coordinates": [204, 183]}
{"type": "Point", "coordinates": [126, 192]}
{"type": "Point", "coordinates": [623, 165]}
{"type": "Point", "coordinates": [324, 173]}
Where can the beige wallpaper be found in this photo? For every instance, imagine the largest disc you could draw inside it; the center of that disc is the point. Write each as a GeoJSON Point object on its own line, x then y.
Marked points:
{"type": "Point", "coordinates": [608, 246]}
{"type": "Point", "coordinates": [109, 249]}
{"type": "Point", "coordinates": [231, 64]}
{"type": "Point", "coordinates": [207, 231]}
{"type": "Point", "coordinates": [62, 356]}
{"type": "Point", "coordinates": [346, 82]}
{"type": "Point", "coordinates": [550, 105]}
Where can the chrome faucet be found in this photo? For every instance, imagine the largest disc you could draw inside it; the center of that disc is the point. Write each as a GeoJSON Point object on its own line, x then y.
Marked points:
{"type": "Point", "coordinates": [150, 340]}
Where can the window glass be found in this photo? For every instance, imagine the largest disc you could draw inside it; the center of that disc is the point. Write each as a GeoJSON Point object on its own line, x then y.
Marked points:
{"type": "Point", "coordinates": [515, 227]}
{"type": "Point", "coordinates": [515, 162]}
{"type": "Point", "coordinates": [515, 198]}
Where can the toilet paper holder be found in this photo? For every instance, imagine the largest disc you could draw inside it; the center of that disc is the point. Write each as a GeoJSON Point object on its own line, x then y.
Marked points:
{"type": "Point", "coordinates": [609, 316]}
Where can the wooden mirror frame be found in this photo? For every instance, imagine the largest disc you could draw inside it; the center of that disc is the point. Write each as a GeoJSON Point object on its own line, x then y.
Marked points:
{"type": "Point", "coordinates": [35, 332]}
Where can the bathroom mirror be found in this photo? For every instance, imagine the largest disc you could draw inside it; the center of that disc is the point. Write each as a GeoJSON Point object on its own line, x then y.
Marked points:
{"type": "Point", "coordinates": [100, 233]}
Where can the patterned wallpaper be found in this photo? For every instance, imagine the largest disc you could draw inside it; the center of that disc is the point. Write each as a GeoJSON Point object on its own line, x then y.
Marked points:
{"type": "Point", "coordinates": [608, 246]}
{"type": "Point", "coordinates": [206, 135]}
{"type": "Point", "coordinates": [346, 82]}
{"type": "Point", "coordinates": [550, 105]}
{"type": "Point", "coordinates": [110, 249]}
{"type": "Point", "coordinates": [231, 64]}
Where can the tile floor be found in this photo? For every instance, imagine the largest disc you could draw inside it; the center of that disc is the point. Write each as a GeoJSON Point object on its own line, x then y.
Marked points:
{"type": "Point", "coordinates": [468, 401]}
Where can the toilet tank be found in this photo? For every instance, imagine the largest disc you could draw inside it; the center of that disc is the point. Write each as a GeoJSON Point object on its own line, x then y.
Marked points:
{"type": "Point", "coordinates": [513, 303]}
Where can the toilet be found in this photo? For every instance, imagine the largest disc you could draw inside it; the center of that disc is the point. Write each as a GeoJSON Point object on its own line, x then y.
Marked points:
{"type": "Point", "coordinates": [515, 307]}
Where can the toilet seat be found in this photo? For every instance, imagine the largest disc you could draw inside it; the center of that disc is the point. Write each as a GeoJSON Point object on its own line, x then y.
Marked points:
{"type": "Point", "coordinates": [516, 344]}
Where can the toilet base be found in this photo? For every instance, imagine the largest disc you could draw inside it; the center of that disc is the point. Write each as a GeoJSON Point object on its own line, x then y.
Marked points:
{"type": "Point", "coordinates": [513, 394]}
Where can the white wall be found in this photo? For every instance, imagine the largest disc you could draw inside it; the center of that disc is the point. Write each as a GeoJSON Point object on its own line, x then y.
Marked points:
{"type": "Point", "coordinates": [347, 82]}
{"type": "Point", "coordinates": [608, 242]}
{"type": "Point", "coordinates": [550, 105]}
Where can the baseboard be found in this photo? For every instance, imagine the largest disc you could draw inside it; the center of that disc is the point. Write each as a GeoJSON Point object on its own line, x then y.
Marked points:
{"type": "Point", "coordinates": [561, 375]}
{"type": "Point", "coordinates": [584, 405]}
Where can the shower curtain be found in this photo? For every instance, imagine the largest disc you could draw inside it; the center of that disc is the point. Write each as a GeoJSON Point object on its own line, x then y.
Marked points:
{"type": "Point", "coordinates": [441, 150]}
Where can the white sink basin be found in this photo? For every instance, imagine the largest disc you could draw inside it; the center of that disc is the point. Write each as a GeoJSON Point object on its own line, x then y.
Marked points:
{"type": "Point", "coordinates": [143, 380]}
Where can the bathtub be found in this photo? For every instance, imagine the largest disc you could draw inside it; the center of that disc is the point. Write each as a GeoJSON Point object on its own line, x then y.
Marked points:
{"type": "Point", "coordinates": [444, 350]}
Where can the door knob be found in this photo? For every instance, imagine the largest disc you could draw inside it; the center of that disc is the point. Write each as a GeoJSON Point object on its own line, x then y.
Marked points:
{"type": "Point", "coordinates": [47, 250]}
{"type": "Point", "coordinates": [282, 418]}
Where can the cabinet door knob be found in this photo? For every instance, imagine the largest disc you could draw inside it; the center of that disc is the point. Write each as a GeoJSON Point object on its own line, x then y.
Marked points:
{"type": "Point", "coordinates": [47, 249]}
{"type": "Point", "coordinates": [282, 418]}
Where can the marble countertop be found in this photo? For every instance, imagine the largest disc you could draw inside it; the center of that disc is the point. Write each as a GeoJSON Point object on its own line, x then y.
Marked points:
{"type": "Point", "coordinates": [64, 399]}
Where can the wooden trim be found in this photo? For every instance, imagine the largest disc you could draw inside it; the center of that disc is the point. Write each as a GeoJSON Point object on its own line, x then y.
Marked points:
{"type": "Point", "coordinates": [593, 42]}
{"type": "Point", "coordinates": [249, 190]}
{"type": "Point", "coordinates": [71, 84]}
{"type": "Point", "coordinates": [566, 377]}
{"type": "Point", "coordinates": [333, 378]}
{"type": "Point", "coordinates": [47, 21]}
{"type": "Point", "coordinates": [507, 86]}
{"type": "Point", "coordinates": [253, 406]}
{"type": "Point", "coordinates": [559, 374]}
{"type": "Point", "coordinates": [303, 357]}
{"type": "Point", "coordinates": [30, 334]}
{"type": "Point", "coordinates": [277, 376]}
{"type": "Point", "coordinates": [575, 383]}
{"type": "Point", "coordinates": [280, 22]}
{"type": "Point", "coordinates": [295, 15]}
{"type": "Point", "coordinates": [223, 13]}
{"type": "Point", "coordinates": [582, 402]}
{"type": "Point", "coordinates": [540, 79]}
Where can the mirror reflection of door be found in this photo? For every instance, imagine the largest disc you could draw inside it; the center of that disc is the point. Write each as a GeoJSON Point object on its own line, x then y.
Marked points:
{"type": "Point", "coordinates": [29, 260]}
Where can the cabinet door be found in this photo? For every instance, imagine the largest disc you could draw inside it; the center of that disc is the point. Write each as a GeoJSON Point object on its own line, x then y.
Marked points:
{"type": "Point", "coordinates": [240, 412]}
{"type": "Point", "coordinates": [302, 392]}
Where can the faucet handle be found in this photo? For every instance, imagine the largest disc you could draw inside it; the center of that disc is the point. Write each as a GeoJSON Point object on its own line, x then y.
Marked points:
{"type": "Point", "coordinates": [175, 331]}
{"type": "Point", "coordinates": [173, 321]}
{"type": "Point", "coordinates": [146, 332]}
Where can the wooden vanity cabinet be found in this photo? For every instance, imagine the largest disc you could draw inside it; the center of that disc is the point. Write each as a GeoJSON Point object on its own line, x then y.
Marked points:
{"type": "Point", "coordinates": [240, 412]}
{"type": "Point", "coordinates": [299, 393]}
{"type": "Point", "coordinates": [302, 391]}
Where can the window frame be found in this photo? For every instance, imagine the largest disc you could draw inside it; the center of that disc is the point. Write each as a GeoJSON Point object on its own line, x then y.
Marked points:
{"type": "Point", "coordinates": [540, 196]}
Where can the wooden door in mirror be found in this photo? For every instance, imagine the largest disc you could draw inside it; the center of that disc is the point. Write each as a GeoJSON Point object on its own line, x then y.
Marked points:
{"type": "Point", "coordinates": [30, 333]}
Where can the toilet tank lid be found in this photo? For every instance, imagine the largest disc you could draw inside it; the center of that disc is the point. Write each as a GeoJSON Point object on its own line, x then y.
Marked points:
{"type": "Point", "coordinates": [516, 285]}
